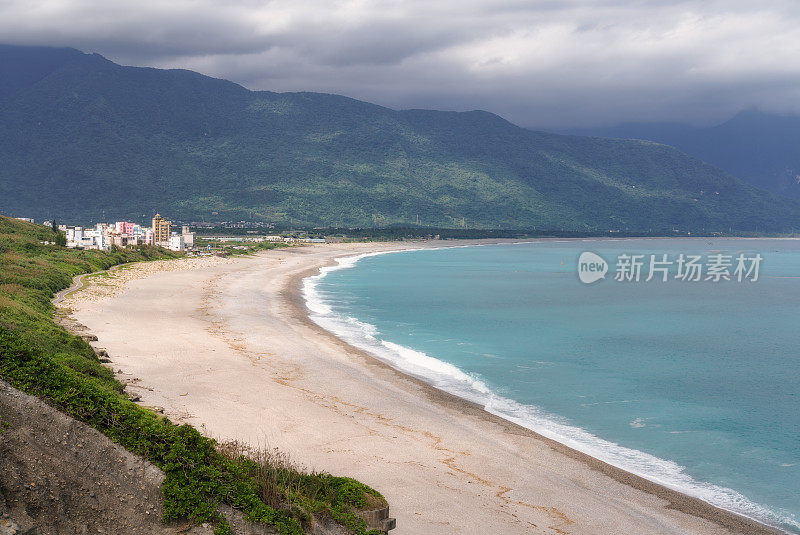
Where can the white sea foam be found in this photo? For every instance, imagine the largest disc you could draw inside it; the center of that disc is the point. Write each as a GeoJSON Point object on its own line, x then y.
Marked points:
{"type": "Point", "coordinates": [451, 379]}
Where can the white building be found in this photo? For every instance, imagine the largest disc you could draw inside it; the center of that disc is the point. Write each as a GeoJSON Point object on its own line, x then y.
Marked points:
{"type": "Point", "coordinates": [176, 242]}
{"type": "Point", "coordinates": [85, 238]}
{"type": "Point", "coordinates": [188, 237]}
{"type": "Point", "coordinates": [74, 235]}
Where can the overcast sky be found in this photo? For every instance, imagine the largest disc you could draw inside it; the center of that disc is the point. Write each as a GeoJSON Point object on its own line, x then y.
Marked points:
{"type": "Point", "coordinates": [539, 63]}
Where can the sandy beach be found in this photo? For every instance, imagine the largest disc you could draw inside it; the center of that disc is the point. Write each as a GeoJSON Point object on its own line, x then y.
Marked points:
{"type": "Point", "coordinates": [226, 345]}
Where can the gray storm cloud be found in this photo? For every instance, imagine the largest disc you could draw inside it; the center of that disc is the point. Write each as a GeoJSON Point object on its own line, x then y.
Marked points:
{"type": "Point", "coordinates": [549, 64]}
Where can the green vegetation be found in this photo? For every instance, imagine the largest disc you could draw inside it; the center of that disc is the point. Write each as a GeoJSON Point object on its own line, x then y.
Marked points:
{"type": "Point", "coordinates": [758, 147]}
{"type": "Point", "coordinates": [146, 140]}
{"type": "Point", "coordinates": [42, 359]}
{"type": "Point", "coordinates": [235, 248]}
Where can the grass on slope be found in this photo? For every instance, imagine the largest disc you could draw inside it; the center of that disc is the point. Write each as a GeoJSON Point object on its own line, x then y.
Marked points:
{"type": "Point", "coordinates": [43, 359]}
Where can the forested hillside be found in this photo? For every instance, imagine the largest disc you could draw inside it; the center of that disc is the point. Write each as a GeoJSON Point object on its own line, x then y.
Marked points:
{"type": "Point", "coordinates": [82, 138]}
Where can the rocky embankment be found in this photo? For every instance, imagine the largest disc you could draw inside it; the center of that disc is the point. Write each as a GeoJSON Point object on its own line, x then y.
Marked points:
{"type": "Point", "coordinates": [59, 476]}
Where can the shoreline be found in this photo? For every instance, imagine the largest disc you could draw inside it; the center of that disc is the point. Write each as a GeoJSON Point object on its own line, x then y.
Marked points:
{"type": "Point", "coordinates": [216, 314]}
{"type": "Point", "coordinates": [677, 500]}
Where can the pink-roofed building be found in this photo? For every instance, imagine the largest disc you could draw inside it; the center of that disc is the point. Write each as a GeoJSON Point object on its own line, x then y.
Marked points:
{"type": "Point", "coordinates": [123, 227]}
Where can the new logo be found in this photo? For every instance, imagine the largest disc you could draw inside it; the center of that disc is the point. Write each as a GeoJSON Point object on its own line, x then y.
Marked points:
{"type": "Point", "coordinates": [591, 268]}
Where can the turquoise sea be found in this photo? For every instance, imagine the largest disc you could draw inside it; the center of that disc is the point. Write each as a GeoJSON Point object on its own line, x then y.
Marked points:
{"type": "Point", "coordinates": [693, 385]}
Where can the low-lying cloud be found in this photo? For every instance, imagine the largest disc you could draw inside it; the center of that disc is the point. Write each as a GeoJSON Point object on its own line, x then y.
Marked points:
{"type": "Point", "coordinates": [540, 63]}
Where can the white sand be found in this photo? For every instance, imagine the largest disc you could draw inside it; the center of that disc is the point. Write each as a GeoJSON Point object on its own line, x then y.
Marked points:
{"type": "Point", "coordinates": [222, 344]}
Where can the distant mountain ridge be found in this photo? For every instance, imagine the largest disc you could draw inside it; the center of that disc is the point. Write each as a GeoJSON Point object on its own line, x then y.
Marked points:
{"type": "Point", "coordinates": [82, 138]}
{"type": "Point", "coordinates": [760, 148]}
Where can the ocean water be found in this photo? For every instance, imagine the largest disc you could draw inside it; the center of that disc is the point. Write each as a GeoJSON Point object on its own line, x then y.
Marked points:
{"type": "Point", "coordinates": [693, 385]}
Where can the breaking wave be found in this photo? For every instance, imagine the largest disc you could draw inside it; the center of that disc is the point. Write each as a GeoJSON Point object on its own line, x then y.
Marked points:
{"type": "Point", "coordinates": [451, 379]}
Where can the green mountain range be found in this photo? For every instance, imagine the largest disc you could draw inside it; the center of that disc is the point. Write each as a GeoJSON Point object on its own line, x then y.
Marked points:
{"type": "Point", "coordinates": [85, 139]}
{"type": "Point", "coordinates": [761, 148]}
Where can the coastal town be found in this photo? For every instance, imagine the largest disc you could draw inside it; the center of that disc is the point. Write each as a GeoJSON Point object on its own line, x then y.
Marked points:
{"type": "Point", "coordinates": [125, 234]}
{"type": "Point", "coordinates": [103, 236]}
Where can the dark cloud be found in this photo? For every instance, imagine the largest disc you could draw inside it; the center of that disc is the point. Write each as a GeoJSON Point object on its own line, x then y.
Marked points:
{"type": "Point", "coordinates": [539, 63]}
